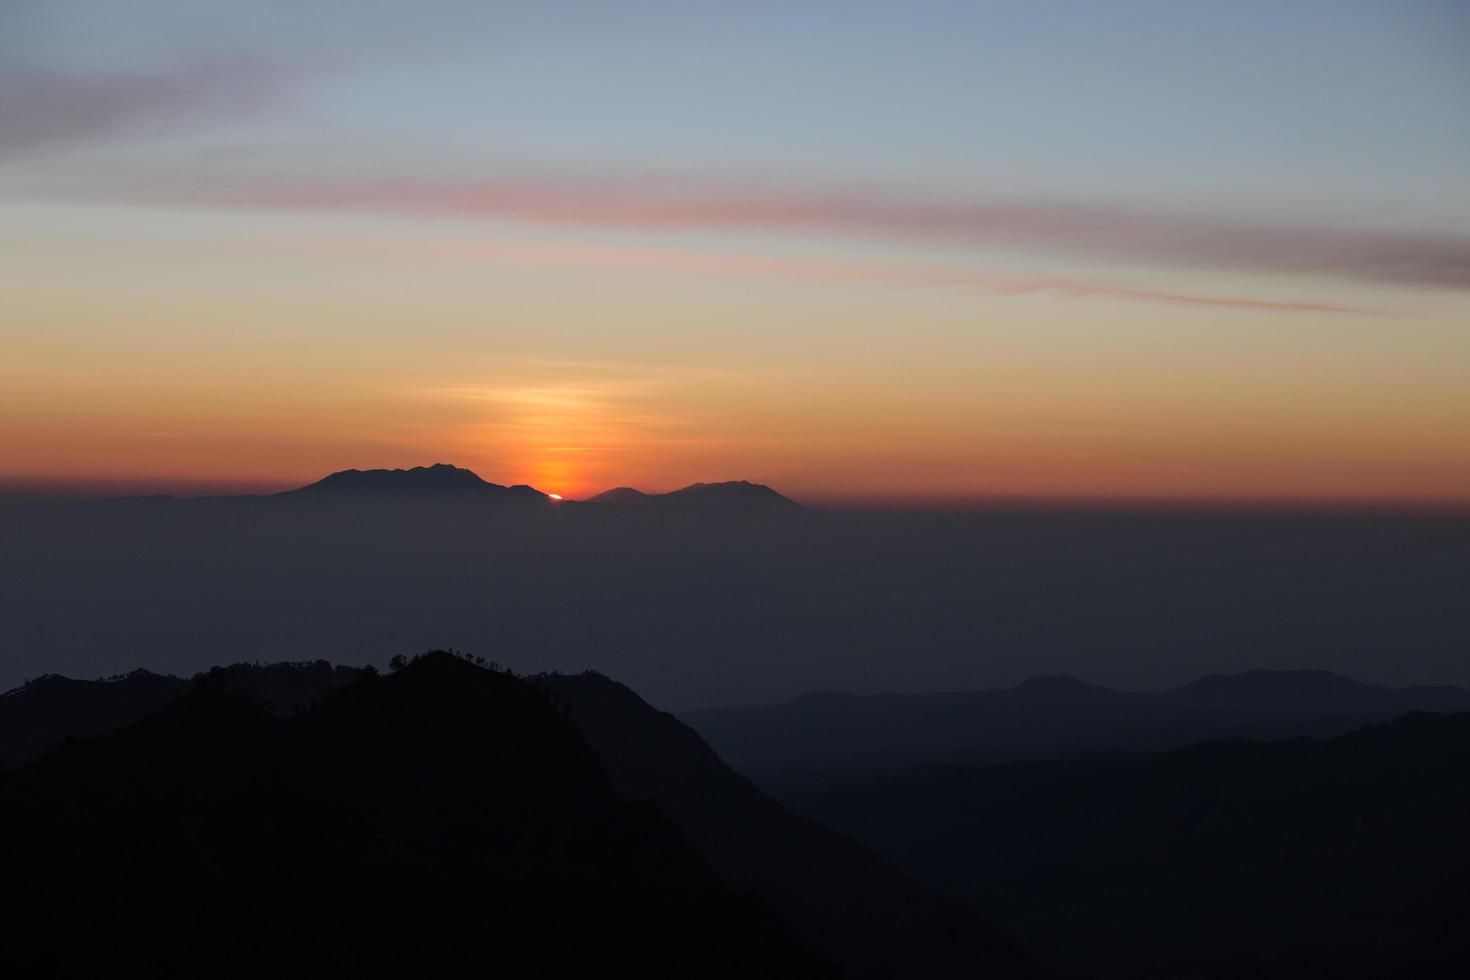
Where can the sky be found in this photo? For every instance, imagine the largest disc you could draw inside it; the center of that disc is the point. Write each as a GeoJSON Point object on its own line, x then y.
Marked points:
{"type": "Point", "coordinates": [863, 252]}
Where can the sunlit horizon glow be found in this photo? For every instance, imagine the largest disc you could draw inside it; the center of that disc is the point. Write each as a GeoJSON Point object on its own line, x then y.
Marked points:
{"type": "Point", "coordinates": [942, 255]}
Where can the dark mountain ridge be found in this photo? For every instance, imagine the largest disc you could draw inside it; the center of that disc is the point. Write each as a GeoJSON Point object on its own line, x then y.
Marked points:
{"type": "Point", "coordinates": [1047, 717]}
{"type": "Point", "coordinates": [848, 905]}
{"type": "Point", "coordinates": [441, 821]}
{"type": "Point", "coordinates": [50, 710]}
{"type": "Point", "coordinates": [445, 480]}
{"type": "Point", "coordinates": [1312, 690]}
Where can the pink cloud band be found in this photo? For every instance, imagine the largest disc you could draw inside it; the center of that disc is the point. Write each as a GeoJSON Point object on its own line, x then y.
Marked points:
{"type": "Point", "coordinates": [1388, 257]}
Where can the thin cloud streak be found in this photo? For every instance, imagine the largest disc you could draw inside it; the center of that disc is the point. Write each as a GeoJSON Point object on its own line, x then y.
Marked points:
{"type": "Point", "coordinates": [661, 205]}
{"type": "Point", "coordinates": [897, 275]}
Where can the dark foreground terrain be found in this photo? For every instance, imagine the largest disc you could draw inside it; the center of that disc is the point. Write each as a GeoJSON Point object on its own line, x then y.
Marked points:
{"type": "Point", "coordinates": [442, 821]}
{"type": "Point", "coordinates": [446, 819]}
{"type": "Point", "coordinates": [453, 818]}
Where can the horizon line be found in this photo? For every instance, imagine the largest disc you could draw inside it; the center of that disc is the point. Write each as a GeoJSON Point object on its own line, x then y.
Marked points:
{"type": "Point", "coordinates": [103, 488]}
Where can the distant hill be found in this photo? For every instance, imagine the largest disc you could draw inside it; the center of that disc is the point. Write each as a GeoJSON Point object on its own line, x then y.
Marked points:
{"type": "Point", "coordinates": [620, 497]}
{"type": "Point", "coordinates": [1342, 857]}
{"type": "Point", "coordinates": [854, 908]}
{"type": "Point", "coordinates": [51, 710]}
{"type": "Point", "coordinates": [1047, 717]}
{"type": "Point", "coordinates": [441, 821]}
{"type": "Point", "coordinates": [732, 496]}
{"type": "Point", "coordinates": [438, 480]}
{"type": "Point", "coordinates": [444, 481]}
{"type": "Point", "coordinates": [1315, 691]}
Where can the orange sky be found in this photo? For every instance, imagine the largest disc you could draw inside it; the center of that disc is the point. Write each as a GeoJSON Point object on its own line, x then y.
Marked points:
{"type": "Point", "coordinates": [254, 364]}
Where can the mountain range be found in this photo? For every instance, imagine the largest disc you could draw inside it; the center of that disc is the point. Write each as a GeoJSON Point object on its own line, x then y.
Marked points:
{"type": "Point", "coordinates": [451, 818]}
{"type": "Point", "coordinates": [442, 481]}
{"type": "Point", "coordinates": [1046, 717]}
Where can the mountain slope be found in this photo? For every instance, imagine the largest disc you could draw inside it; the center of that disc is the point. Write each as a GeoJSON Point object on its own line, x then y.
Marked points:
{"type": "Point", "coordinates": [51, 710]}
{"type": "Point", "coordinates": [854, 908]}
{"type": "Point", "coordinates": [442, 821]}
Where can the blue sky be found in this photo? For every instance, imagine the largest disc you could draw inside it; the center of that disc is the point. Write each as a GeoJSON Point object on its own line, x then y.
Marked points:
{"type": "Point", "coordinates": [1346, 106]}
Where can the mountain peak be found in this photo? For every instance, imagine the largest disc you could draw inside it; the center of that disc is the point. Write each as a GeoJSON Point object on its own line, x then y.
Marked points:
{"type": "Point", "coordinates": [732, 487]}
{"type": "Point", "coordinates": [733, 493]}
{"type": "Point", "coordinates": [1277, 688]}
{"type": "Point", "coordinates": [619, 496]}
{"type": "Point", "coordinates": [437, 480]}
{"type": "Point", "coordinates": [1063, 689]}
{"type": "Point", "coordinates": [729, 495]}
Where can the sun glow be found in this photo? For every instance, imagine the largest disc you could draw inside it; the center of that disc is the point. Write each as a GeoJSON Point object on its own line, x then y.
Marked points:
{"type": "Point", "coordinates": [554, 496]}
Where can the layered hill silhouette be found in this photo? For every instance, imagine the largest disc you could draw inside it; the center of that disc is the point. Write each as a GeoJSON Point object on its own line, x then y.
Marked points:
{"type": "Point", "coordinates": [442, 821]}
{"type": "Point", "coordinates": [1316, 692]}
{"type": "Point", "coordinates": [1331, 858]}
{"type": "Point", "coordinates": [441, 762]}
{"type": "Point", "coordinates": [450, 818]}
{"type": "Point", "coordinates": [1047, 717]}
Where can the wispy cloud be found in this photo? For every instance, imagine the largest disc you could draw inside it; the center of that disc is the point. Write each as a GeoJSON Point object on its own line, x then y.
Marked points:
{"type": "Point", "coordinates": [652, 205]}
{"type": "Point", "coordinates": [46, 109]}
{"type": "Point", "coordinates": [900, 275]}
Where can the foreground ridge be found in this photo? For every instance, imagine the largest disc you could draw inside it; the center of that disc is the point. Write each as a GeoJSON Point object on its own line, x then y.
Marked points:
{"type": "Point", "coordinates": [442, 819]}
